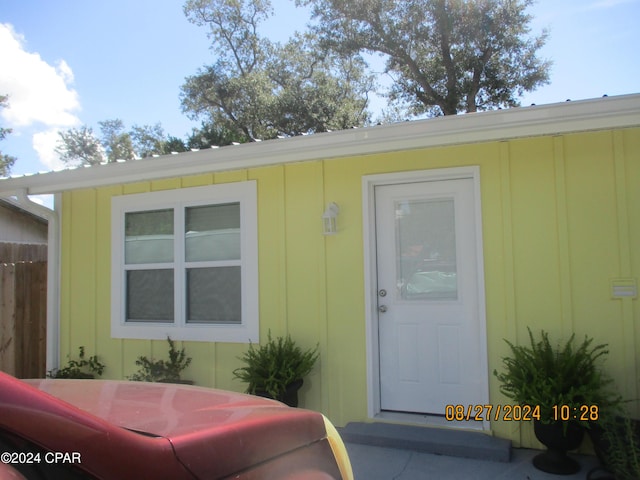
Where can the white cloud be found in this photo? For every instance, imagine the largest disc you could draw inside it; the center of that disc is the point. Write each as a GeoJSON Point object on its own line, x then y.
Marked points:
{"type": "Point", "coordinates": [38, 92]}
{"type": "Point", "coordinates": [41, 97]}
{"type": "Point", "coordinates": [44, 144]}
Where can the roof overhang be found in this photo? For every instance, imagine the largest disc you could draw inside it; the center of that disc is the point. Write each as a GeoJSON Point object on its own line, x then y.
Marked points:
{"type": "Point", "coordinates": [497, 125]}
{"type": "Point", "coordinates": [12, 205]}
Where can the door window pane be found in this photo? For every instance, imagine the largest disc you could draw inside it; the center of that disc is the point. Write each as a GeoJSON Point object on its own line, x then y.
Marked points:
{"type": "Point", "coordinates": [149, 237]}
{"type": "Point", "coordinates": [214, 295]}
{"type": "Point", "coordinates": [212, 232]}
{"type": "Point", "coordinates": [426, 249]}
{"type": "Point", "coordinates": [150, 295]}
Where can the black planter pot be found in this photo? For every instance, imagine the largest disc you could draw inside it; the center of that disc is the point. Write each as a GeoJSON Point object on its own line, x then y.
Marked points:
{"type": "Point", "coordinates": [600, 444]}
{"type": "Point", "coordinates": [552, 436]}
{"type": "Point", "coordinates": [179, 382]}
{"type": "Point", "coordinates": [290, 395]}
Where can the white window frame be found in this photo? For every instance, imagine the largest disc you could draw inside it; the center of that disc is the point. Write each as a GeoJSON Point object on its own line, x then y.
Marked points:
{"type": "Point", "coordinates": [247, 331]}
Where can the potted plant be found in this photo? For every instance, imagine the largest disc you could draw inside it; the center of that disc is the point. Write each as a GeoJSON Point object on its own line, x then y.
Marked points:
{"type": "Point", "coordinates": [152, 370]}
{"type": "Point", "coordinates": [81, 368]}
{"type": "Point", "coordinates": [622, 456]}
{"type": "Point", "coordinates": [276, 369]}
{"type": "Point", "coordinates": [566, 389]}
{"type": "Point", "coordinates": [616, 442]}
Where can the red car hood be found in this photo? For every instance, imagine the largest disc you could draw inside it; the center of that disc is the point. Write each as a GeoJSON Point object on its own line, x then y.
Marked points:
{"type": "Point", "coordinates": [209, 429]}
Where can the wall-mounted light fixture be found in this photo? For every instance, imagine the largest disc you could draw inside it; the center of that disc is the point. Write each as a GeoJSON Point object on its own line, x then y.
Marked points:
{"type": "Point", "coordinates": [330, 219]}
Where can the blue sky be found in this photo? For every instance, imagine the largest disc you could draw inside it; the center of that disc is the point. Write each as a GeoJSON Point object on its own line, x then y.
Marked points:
{"type": "Point", "coordinates": [67, 63]}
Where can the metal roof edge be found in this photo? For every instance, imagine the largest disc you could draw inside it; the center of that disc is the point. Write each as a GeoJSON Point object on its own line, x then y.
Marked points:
{"type": "Point", "coordinates": [553, 119]}
{"type": "Point", "coordinates": [13, 205]}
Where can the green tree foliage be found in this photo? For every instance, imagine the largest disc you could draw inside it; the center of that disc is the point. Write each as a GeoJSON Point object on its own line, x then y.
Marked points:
{"type": "Point", "coordinates": [445, 56]}
{"type": "Point", "coordinates": [258, 89]}
{"type": "Point", "coordinates": [6, 161]}
{"type": "Point", "coordinates": [210, 134]}
{"type": "Point", "coordinates": [173, 145]}
{"type": "Point", "coordinates": [116, 141]}
{"type": "Point", "coordinates": [79, 146]}
{"type": "Point", "coordinates": [148, 140]}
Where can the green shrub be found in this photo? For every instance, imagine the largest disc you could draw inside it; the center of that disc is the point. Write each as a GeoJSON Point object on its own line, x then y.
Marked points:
{"type": "Point", "coordinates": [540, 375]}
{"type": "Point", "coordinates": [274, 365]}
{"type": "Point", "coordinates": [81, 368]}
{"type": "Point", "coordinates": [152, 370]}
{"type": "Point", "coordinates": [621, 442]}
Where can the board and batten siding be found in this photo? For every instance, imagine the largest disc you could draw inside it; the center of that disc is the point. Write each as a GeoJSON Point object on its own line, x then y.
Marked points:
{"type": "Point", "coordinates": [561, 219]}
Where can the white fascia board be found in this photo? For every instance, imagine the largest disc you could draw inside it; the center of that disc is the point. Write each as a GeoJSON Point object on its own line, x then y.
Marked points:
{"type": "Point", "coordinates": [555, 119]}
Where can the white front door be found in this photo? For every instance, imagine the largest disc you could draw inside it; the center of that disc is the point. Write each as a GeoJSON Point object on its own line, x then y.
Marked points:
{"type": "Point", "coordinates": [430, 333]}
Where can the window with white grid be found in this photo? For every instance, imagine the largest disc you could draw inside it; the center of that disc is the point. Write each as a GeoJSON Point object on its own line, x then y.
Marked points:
{"type": "Point", "coordinates": [184, 264]}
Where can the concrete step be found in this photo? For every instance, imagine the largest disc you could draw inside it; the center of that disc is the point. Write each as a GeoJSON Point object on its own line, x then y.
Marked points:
{"type": "Point", "coordinates": [439, 441]}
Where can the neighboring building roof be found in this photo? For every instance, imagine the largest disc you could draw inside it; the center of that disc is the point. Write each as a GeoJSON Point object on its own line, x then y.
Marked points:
{"type": "Point", "coordinates": [14, 207]}
{"type": "Point", "coordinates": [19, 231]}
{"type": "Point", "coordinates": [584, 115]}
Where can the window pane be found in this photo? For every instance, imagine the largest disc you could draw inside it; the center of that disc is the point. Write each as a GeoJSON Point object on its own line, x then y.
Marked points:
{"type": "Point", "coordinates": [149, 237]}
{"type": "Point", "coordinates": [214, 295]}
{"type": "Point", "coordinates": [212, 232]}
{"type": "Point", "coordinates": [150, 295]}
{"type": "Point", "coordinates": [426, 243]}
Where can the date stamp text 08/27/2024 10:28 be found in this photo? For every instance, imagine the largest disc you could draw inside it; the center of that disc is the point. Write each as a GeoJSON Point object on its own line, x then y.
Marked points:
{"type": "Point", "coordinates": [516, 413]}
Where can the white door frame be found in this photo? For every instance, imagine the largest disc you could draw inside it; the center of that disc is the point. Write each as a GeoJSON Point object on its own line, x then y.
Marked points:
{"type": "Point", "coordinates": [369, 182]}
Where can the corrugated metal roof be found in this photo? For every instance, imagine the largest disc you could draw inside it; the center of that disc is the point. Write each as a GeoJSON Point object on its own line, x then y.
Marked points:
{"type": "Point", "coordinates": [583, 115]}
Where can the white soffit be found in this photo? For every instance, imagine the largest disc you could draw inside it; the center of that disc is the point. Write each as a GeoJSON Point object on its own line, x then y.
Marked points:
{"type": "Point", "coordinates": [560, 118]}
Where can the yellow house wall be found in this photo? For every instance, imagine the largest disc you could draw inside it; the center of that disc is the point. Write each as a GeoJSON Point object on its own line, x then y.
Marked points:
{"type": "Point", "coordinates": [561, 218]}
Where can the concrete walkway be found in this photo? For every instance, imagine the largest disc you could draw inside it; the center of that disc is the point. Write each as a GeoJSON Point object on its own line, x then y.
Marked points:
{"type": "Point", "coordinates": [381, 463]}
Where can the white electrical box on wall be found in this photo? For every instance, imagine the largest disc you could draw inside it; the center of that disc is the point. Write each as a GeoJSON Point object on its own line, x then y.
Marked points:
{"type": "Point", "coordinates": [624, 288]}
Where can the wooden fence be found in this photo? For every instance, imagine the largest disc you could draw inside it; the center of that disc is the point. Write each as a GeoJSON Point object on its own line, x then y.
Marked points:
{"type": "Point", "coordinates": [22, 252]}
{"type": "Point", "coordinates": [23, 318]}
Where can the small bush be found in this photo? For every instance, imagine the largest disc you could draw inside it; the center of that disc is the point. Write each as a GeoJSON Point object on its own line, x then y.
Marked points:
{"type": "Point", "coordinates": [152, 370]}
{"type": "Point", "coordinates": [81, 368]}
{"type": "Point", "coordinates": [539, 374]}
{"type": "Point", "coordinates": [274, 365]}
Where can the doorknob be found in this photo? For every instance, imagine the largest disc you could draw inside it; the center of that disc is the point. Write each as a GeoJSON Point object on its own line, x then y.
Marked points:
{"type": "Point", "coordinates": [382, 308]}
